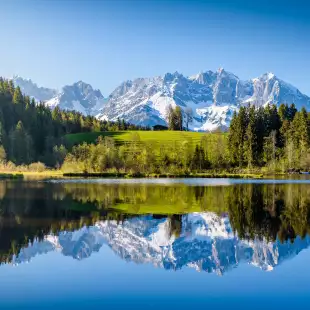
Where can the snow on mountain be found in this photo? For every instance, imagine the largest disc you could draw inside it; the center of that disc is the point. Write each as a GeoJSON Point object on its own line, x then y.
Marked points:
{"type": "Point", "coordinates": [212, 96]}
{"type": "Point", "coordinates": [206, 243]}
{"type": "Point", "coordinates": [80, 97]}
{"type": "Point", "coordinates": [29, 88]}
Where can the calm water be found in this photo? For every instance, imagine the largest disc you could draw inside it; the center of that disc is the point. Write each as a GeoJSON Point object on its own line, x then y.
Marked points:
{"type": "Point", "coordinates": [155, 244]}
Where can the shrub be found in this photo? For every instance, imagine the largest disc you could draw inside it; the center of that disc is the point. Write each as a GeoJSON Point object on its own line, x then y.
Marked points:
{"type": "Point", "coordinates": [37, 167]}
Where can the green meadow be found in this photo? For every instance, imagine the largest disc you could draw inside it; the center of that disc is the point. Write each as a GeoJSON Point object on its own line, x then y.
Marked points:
{"type": "Point", "coordinates": [123, 137]}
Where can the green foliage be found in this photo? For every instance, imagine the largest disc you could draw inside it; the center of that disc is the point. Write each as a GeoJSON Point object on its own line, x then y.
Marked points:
{"type": "Point", "coordinates": [181, 155]}
{"type": "Point", "coordinates": [269, 137]}
{"type": "Point", "coordinates": [32, 132]}
{"type": "Point", "coordinates": [175, 118]}
{"type": "Point", "coordinates": [21, 148]}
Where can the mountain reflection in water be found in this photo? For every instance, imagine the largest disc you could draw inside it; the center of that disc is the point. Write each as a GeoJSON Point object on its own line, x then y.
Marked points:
{"type": "Point", "coordinates": [210, 229]}
{"type": "Point", "coordinates": [206, 243]}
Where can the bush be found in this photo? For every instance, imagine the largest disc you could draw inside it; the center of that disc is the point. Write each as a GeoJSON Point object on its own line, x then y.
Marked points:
{"type": "Point", "coordinates": [37, 167]}
{"type": "Point", "coordinates": [9, 166]}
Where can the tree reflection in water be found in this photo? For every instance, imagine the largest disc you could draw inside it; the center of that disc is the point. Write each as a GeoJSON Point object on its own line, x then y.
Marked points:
{"type": "Point", "coordinates": [209, 227]}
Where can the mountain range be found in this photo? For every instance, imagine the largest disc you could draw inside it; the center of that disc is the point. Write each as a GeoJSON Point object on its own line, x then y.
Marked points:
{"type": "Point", "coordinates": [206, 243]}
{"type": "Point", "coordinates": [212, 97]}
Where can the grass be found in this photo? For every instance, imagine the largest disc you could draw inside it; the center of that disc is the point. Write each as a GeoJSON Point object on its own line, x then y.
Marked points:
{"type": "Point", "coordinates": [31, 174]}
{"type": "Point", "coordinates": [121, 137]}
{"type": "Point", "coordinates": [42, 174]}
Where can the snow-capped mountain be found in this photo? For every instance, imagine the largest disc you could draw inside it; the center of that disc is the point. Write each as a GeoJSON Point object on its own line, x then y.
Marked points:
{"type": "Point", "coordinates": [212, 96]}
{"type": "Point", "coordinates": [206, 243]}
{"type": "Point", "coordinates": [29, 88]}
{"type": "Point", "coordinates": [80, 97]}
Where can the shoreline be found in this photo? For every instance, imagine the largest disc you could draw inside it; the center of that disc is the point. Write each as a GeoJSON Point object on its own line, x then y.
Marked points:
{"type": "Point", "coordinates": [156, 176]}
{"type": "Point", "coordinates": [18, 175]}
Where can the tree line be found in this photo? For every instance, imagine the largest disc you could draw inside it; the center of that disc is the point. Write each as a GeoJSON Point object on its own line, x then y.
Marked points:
{"type": "Point", "coordinates": [278, 138]}
{"type": "Point", "coordinates": [31, 131]}
{"type": "Point", "coordinates": [268, 138]}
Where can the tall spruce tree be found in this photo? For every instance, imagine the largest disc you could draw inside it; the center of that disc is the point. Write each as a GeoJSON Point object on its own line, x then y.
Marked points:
{"type": "Point", "coordinates": [250, 145]}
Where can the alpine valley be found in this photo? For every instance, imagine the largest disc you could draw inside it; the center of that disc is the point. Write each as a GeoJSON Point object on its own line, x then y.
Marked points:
{"type": "Point", "coordinates": [211, 96]}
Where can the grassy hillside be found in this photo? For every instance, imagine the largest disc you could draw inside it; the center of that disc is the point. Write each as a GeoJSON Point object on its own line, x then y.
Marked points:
{"type": "Point", "coordinates": [121, 137]}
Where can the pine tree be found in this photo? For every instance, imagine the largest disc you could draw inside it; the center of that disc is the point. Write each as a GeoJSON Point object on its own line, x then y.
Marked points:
{"type": "Point", "coordinates": [17, 97]}
{"type": "Point", "coordinates": [233, 139]}
{"type": "Point", "coordinates": [270, 149]}
{"type": "Point", "coordinates": [284, 112]}
{"type": "Point", "coordinates": [11, 87]}
{"type": "Point", "coordinates": [20, 145]}
{"type": "Point", "coordinates": [300, 133]}
{"type": "Point", "coordinates": [291, 112]}
{"type": "Point", "coordinates": [241, 126]}
{"type": "Point", "coordinates": [249, 145]}
{"type": "Point", "coordinates": [259, 134]}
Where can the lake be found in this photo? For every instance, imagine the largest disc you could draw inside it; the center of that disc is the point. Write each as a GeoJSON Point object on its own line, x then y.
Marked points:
{"type": "Point", "coordinates": [155, 244]}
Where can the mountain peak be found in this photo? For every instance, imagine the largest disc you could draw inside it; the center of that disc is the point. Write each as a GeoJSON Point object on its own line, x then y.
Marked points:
{"type": "Point", "coordinates": [81, 83]}
{"type": "Point", "coordinates": [80, 97]}
{"type": "Point", "coordinates": [220, 70]}
{"type": "Point", "coordinates": [212, 96]}
{"type": "Point", "coordinates": [268, 76]}
{"type": "Point", "coordinates": [29, 88]}
{"type": "Point", "coordinates": [168, 77]}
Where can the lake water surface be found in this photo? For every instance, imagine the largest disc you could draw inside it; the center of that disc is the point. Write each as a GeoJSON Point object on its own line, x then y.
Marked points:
{"type": "Point", "coordinates": [155, 244]}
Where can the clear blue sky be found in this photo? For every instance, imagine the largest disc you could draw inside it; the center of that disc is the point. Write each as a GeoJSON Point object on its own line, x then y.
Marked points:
{"type": "Point", "coordinates": [106, 42]}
